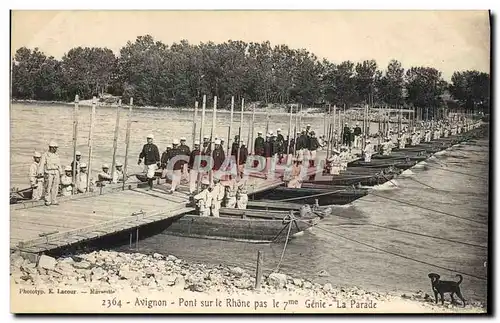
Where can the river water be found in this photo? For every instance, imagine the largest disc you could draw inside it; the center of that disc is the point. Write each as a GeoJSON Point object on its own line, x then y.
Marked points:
{"type": "Point", "coordinates": [377, 242]}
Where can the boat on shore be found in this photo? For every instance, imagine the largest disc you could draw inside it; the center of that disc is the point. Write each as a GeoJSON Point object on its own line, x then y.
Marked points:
{"type": "Point", "coordinates": [248, 225]}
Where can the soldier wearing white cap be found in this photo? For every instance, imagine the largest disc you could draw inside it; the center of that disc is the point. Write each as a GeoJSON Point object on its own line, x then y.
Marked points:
{"type": "Point", "coordinates": [308, 129]}
{"type": "Point", "coordinates": [230, 198]}
{"type": "Point", "coordinates": [218, 194]}
{"type": "Point", "coordinates": [36, 179]}
{"type": "Point", "coordinates": [280, 145]}
{"type": "Point", "coordinates": [258, 147]}
{"type": "Point", "coordinates": [118, 173]}
{"type": "Point", "coordinates": [104, 177]}
{"type": "Point", "coordinates": [81, 183]}
{"type": "Point", "coordinates": [50, 167]}
{"type": "Point", "coordinates": [76, 163]}
{"type": "Point", "coordinates": [184, 151]}
{"type": "Point", "coordinates": [218, 155]}
{"type": "Point", "coordinates": [334, 162]}
{"type": "Point", "coordinates": [67, 181]}
{"type": "Point", "coordinates": [176, 166]}
{"type": "Point", "coordinates": [205, 148]}
{"type": "Point", "coordinates": [151, 156]}
{"type": "Point", "coordinates": [242, 197]}
{"type": "Point", "coordinates": [194, 164]}
{"type": "Point", "coordinates": [243, 158]}
{"type": "Point", "coordinates": [368, 151]}
{"type": "Point", "coordinates": [204, 198]}
{"type": "Point", "coordinates": [357, 135]}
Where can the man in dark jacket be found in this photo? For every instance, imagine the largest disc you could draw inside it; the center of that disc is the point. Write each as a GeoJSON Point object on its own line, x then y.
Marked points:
{"type": "Point", "coordinates": [259, 144]}
{"type": "Point", "coordinates": [218, 157]}
{"type": "Point", "coordinates": [184, 151]}
{"type": "Point", "coordinates": [151, 156]}
{"type": "Point", "coordinates": [194, 166]}
{"type": "Point", "coordinates": [346, 135]}
{"type": "Point", "coordinates": [268, 151]}
{"type": "Point", "coordinates": [313, 146]}
{"type": "Point", "coordinates": [280, 141]}
{"type": "Point", "coordinates": [177, 165]}
{"type": "Point", "coordinates": [235, 146]}
{"type": "Point", "coordinates": [357, 135]}
{"type": "Point", "coordinates": [243, 158]}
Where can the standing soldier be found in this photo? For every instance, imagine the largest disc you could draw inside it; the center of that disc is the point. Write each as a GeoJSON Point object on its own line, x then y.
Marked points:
{"type": "Point", "coordinates": [259, 144]}
{"type": "Point", "coordinates": [36, 179]}
{"type": "Point", "coordinates": [280, 141]}
{"type": "Point", "coordinates": [218, 157]}
{"type": "Point", "coordinates": [368, 152]}
{"type": "Point", "coordinates": [67, 182]}
{"type": "Point", "coordinates": [151, 156]}
{"type": "Point", "coordinates": [176, 167]}
{"type": "Point", "coordinates": [235, 146]}
{"type": "Point", "coordinates": [268, 151]}
{"type": "Point", "coordinates": [243, 158]}
{"type": "Point", "coordinates": [231, 190]}
{"type": "Point", "coordinates": [165, 157]}
{"type": "Point", "coordinates": [50, 167]}
{"type": "Point", "coordinates": [308, 130]}
{"type": "Point", "coordinates": [346, 135]}
{"type": "Point", "coordinates": [184, 151]}
{"type": "Point", "coordinates": [217, 197]}
{"type": "Point", "coordinates": [194, 164]}
{"type": "Point", "coordinates": [313, 146]}
{"type": "Point", "coordinates": [357, 135]}
{"type": "Point", "coordinates": [206, 146]}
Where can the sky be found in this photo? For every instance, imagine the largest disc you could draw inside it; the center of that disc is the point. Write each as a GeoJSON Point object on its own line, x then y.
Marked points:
{"type": "Point", "coordinates": [446, 40]}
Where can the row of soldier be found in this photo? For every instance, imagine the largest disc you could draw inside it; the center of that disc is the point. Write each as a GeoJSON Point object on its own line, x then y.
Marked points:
{"type": "Point", "coordinates": [48, 178]}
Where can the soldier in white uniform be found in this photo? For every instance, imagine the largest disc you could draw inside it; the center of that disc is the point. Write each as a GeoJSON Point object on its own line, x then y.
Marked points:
{"type": "Point", "coordinates": [118, 173]}
{"type": "Point", "coordinates": [242, 197]}
{"type": "Point", "coordinates": [204, 198]}
{"type": "Point", "coordinates": [50, 167]}
{"type": "Point", "coordinates": [368, 151]}
{"type": "Point", "coordinates": [334, 161]}
{"type": "Point", "coordinates": [231, 190]}
{"type": "Point", "coordinates": [81, 183]}
{"type": "Point", "coordinates": [217, 197]}
{"type": "Point", "coordinates": [36, 180]}
{"type": "Point", "coordinates": [67, 181]}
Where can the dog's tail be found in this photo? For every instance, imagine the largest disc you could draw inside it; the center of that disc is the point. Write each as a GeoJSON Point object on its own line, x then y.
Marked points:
{"type": "Point", "coordinates": [461, 278]}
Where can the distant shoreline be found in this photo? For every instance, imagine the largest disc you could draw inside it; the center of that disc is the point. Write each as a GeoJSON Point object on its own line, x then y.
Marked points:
{"type": "Point", "coordinates": [308, 113]}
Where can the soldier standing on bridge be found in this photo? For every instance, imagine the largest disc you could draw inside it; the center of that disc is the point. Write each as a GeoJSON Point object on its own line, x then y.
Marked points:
{"type": "Point", "coordinates": [184, 151]}
{"type": "Point", "coordinates": [50, 168]}
{"type": "Point", "coordinates": [151, 156]}
{"type": "Point", "coordinates": [194, 164]}
{"type": "Point", "coordinates": [36, 180]}
{"type": "Point", "coordinates": [357, 135]}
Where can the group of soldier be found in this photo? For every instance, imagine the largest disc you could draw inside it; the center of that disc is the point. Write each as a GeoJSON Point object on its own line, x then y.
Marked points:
{"type": "Point", "coordinates": [48, 178]}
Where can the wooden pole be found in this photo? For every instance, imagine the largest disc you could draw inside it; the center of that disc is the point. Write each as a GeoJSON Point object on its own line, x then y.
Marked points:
{"type": "Point", "coordinates": [300, 118]}
{"type": "Point", "coordinates": [295, 133]}
{"type": "Point", "coordinates": [289, 133]}
{"type": "Point", "coordinates": [127, 141]}
{"type": "Point", "coordinates": [334, 121]}
{"type": "Point", "coordinates": [258, 271]}
{"type": "Point", "coordinates": [203, 107]}
{"type": "Point", "coordinates": [91, 132]}
{"type": "Point", "coordinates": [267, 121]}
{"type": "Point", "coordinates": [195, 117]}
{"type": "Point", "coordinates": [239, 132]}
{"type": "Point", "coordinates": [214, 116]}
{"type": "Point", "coordinates": [253, 130]}
{"type": "Point", "coordinates": [75, 135]}
{"type": "Point", "coordinates": [230, 125]}
{"type": "Point", "coordinates": [115, 138]}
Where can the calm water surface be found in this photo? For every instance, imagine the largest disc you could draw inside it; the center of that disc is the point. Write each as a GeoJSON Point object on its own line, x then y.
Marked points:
{"type": "Point", "coordinates": [454, 182]}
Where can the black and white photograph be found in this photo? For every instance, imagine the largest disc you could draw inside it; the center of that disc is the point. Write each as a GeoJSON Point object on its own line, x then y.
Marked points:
{"type": "Point", "coordinates": [250, 161]}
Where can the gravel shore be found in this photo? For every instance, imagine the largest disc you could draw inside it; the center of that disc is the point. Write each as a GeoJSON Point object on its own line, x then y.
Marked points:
{"type": "Point", "coordinates": [146, 274]}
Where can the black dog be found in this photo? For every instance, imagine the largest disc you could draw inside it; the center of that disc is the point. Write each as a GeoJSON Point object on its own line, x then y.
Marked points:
{"type": "Point", "coordinates": [446, 286]}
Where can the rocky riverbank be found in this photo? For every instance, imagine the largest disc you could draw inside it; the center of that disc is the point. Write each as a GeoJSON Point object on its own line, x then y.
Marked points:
{"type": "Point", "coordinates": [114, 272]}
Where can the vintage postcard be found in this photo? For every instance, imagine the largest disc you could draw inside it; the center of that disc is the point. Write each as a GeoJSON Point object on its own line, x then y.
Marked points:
{"type": "Point", "coordinates": [250, 162]}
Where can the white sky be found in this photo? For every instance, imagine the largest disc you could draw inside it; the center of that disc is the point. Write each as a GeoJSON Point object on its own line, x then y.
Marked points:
{"type": "Point", "coordinates": [446, 40]}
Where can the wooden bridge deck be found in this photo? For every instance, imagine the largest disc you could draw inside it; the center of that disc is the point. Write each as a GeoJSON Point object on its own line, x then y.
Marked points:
{"type": "Point", "coordinates": [36, 228]}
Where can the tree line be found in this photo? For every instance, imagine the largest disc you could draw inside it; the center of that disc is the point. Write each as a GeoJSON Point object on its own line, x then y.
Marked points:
{"type": "Point", "coordinates": [156, 74]}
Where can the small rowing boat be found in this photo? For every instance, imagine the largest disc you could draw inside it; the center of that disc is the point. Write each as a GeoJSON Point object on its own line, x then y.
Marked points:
{"type": "Point", "coordinates": [249, 225]}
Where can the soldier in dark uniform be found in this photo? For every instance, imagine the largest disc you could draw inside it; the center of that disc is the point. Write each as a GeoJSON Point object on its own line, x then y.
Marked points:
{"type": "Point", "coordinates": [218, 156]}
{"type": "Point", "coordinates": [184, 151]}
{"type": "Point", "coordinates": [313, 146]}
{"type": "Point", "coordinates": [346, 135]}
{"type": "Point", "coordinates": [280, 141]}
{"type": "Point", "coordinates": [151, 156]}
{"type": "Point", "coordinates": [268, 151]}
{"type": "Point", "coordinates": [235, 146]}
{"type": "Point", "coordinates": [357, 135]}
{"type": "Point", "coordinates": [258, 147]}
{"type": "Point", "coordinates": [165, 158]}
{"type": "Point", "coordinates": [243, 158]}
{"type": "Point", "coordinates": [193, 166]}
{"type": "Point", "coordinates": [177, 166]}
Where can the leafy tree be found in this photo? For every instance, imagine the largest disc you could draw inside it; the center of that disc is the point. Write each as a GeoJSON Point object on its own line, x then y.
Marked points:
{"type": "Point", "coordinates": [391, 85]}
{"type": "Point", "coordinates": [471, 89]}
{"type": "Point", "coordinates": [425, 88]}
